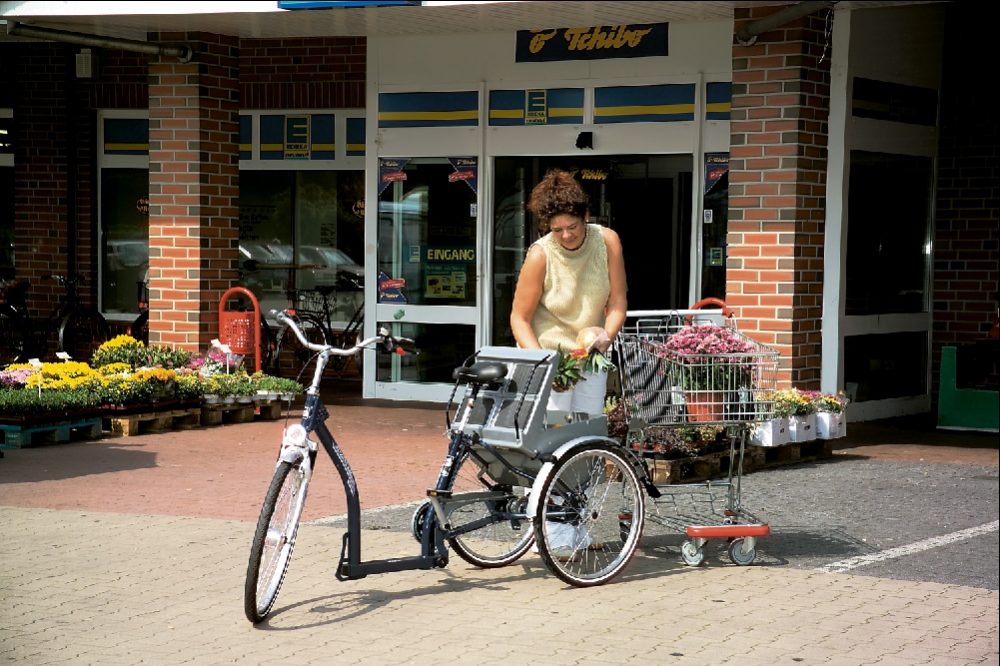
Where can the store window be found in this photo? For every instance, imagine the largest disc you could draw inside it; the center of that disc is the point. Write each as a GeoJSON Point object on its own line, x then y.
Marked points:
{"type": "Point", "coordinates": [888, 239]}
{"type": "Point", "coordinates": [125, 238]}
{"type": "Point", "coordinates": [123, 191]}
{"type": "Point", "coordinates": [303, 229]}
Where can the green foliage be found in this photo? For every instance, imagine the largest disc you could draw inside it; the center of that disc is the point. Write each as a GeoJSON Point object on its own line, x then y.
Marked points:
{"type": "Point", "coordinates": [30, 401]}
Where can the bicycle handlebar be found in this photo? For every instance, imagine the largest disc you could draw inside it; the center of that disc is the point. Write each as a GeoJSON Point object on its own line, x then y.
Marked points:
{"type": "Point", "coordinates": [389, 342]}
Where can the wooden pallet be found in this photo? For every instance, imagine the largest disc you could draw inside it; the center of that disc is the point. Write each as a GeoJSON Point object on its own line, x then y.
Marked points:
{"type": "Point", "coordinates": [717, 465]}
{"type": "Point", "coordinates": [219, 414]}
{"type": "Point", "coordinates": [270, 411]}
{"type": "Point", "coordinates": [21, 435]}
{"type": "Point", "coordinates": [142, 423]}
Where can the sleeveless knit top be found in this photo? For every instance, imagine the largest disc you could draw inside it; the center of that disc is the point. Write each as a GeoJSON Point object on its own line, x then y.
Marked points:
{"type": "Point", "coordinates": [575, 291]}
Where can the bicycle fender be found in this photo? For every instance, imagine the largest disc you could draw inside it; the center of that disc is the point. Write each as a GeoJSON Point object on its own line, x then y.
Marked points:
{"type": "Point", "coordinates": [558, 454]}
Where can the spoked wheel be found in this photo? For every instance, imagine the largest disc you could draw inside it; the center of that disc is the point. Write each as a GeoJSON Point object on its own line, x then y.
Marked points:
{"type": "Point", "coordinates": [590, 515]}
{"type": "Point", "coordinates": [505, 532]}
{"type": "Point", "coordinates": [288, 342]}
{"type": "Point", "coordinates": [82, 332]}
{"type": "Point", "coordinates": [274, 540]}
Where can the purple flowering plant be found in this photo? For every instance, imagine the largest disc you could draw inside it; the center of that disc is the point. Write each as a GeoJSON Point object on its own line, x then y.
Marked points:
{"type": "Point", "coordinates": [708, 357]}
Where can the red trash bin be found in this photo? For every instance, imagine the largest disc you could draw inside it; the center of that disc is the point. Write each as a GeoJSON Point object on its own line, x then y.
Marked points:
{"type": "Point", "coordinates": [239, 328]}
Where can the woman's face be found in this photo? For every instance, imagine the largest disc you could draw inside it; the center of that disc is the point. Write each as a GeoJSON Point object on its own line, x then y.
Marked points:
{"type": "Point", "coordinates": [569, 230]}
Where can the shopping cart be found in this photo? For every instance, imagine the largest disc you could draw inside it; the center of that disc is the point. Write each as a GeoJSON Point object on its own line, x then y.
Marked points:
{"type": "Point", "coordinates": [689, 371]}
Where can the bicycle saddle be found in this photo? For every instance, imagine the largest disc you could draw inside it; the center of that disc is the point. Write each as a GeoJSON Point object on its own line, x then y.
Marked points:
{"type": "Point", "coordinates": [482, 372]}
{"type": "Point", "coordinates": [325, 289]}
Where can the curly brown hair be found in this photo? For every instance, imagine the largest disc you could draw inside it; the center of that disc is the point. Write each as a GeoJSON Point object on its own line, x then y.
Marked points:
{"type": "Point", "coordinates": [558, 193]}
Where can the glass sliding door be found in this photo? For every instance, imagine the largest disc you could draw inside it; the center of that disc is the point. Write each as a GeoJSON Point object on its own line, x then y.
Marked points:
{"type": "Point", "coordinates": [428, 267]}
{"type": "Point", "coordinates": [645, 198]}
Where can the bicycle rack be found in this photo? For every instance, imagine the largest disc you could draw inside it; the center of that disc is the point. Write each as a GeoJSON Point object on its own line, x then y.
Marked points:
{"type": "Point", "coordinates": [240, 329]}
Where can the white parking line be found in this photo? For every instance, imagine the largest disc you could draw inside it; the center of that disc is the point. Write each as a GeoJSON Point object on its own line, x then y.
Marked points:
{"type": "Point", "coordinates": [916, 547]}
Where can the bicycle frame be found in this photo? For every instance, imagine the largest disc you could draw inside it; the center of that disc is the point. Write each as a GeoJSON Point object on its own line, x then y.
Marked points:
{"type": "Point", "coordinates": [433, 552]}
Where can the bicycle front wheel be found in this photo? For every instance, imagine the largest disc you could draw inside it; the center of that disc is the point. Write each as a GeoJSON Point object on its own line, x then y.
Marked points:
{"type": "Point", "coordinates": [504, 533]}
{"type": "Point", "coordinates": [590, 515]}
{"type": "Point", "coordinates": [81, 332]}
{"type": "Point", "coordinates": [274, 539]}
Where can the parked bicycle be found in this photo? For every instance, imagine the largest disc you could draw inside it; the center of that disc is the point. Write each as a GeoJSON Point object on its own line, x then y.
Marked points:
{"type": "Point", "coordinates": [512, 473]}
{"type": "Point", "coordinates": [316, 314]}
{"type": "Point", "coordinates": [78, 329]}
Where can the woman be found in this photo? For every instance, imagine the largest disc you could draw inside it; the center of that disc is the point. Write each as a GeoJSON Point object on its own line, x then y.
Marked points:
{"type": "Point", "coordinates": [572, 284]}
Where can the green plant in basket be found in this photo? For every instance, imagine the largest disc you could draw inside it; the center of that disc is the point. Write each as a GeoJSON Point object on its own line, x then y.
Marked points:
{"type": "Point", "coordinates": [167, 357]}
{"type": "Point", "coordinates": [125, 389]}
{"type": "Point", "coordinates": [19, 402]}
{"type": "Point", "coordinates": [189, 386]}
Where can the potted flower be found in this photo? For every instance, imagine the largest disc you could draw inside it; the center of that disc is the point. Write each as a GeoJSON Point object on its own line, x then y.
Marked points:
{"type": "Point", "coordinates": [120, 349]}
{"type": "Point", "coordinates": [774, 431]}
{"type": "Point", "coordinates": [831, 416]}
{"type": "Point", "coordinates": [710, 363]}
{"type": "Point", "coordinates": [801, 408]}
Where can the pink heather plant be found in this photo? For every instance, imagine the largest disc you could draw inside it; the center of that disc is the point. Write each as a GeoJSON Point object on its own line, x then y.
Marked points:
{"type": "Point", "coordinates": [15, 378]}
{"type": "Point", "coordinates": [708, 357]}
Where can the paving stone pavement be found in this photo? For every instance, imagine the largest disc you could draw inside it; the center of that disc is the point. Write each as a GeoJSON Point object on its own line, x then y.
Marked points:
{"type": "Point", "coordinates": [133, 551]}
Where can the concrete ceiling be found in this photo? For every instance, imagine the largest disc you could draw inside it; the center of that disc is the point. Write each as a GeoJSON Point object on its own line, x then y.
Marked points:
{"type": "Point", "coordinates": [266, 21]}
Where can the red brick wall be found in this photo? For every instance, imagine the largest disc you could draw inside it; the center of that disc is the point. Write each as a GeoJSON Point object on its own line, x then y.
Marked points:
{"type": "Point", "coordinates": [193, 188]}
{"type": "Point", "coordinates": [777, 190]}
{"type": "Point", "coordinates": [325, 72]}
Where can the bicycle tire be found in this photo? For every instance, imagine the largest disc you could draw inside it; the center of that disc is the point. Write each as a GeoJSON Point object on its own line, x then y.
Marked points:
{"type": "Point", "coordinates": [274, 540]}
{"type": "Point", "coordinates": [81, 332]}
{"type": "Point", "coordinates": [288, 343]}
{"type": "Point", "coordinates": [507, 536]}
{"type": "Point", "coordinates": [345, 340]}
{"type": "Point", "coordinates": [584, 540]}
{"type": "Point", "coordinates": [139, 329]}
{"type": "Point", "coordinates": [13, 337]}
{"type": "Point", "coordinates": [267, 347]}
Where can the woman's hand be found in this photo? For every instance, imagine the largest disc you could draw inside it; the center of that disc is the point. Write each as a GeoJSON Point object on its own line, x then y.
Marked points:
{"type": "Point", "coordinates": [593, 338]}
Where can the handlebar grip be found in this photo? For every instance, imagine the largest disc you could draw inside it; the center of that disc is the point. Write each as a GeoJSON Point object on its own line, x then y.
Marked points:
{"type": "Point", "coordinates": [405, 346]}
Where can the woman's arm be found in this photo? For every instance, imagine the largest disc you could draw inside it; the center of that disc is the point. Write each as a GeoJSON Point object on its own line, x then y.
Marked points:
{"type": "Point", "coordinates": [617, 307]}
{"type": "Point", "coordinates": [527, 295]}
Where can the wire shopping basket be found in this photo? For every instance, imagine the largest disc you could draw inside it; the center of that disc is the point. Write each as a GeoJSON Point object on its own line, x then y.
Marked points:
{"type": "Point", "coordinates": [677, 372]}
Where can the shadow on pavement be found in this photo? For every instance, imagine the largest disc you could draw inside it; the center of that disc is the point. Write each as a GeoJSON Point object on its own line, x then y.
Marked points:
{"type": "Point", "coordinates": [67, 461]}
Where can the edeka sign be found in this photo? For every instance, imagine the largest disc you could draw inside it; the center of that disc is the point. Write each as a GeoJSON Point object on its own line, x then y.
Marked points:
{"type": "Point", "coordinates": [612, 41]}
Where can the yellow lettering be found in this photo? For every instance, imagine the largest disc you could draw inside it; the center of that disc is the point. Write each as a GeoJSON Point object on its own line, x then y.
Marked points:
{"type": "Point", "coordinates": [538, 41]}
{"type": "Point", "coordinates": [573, 36]}
{"type": "Point", "coordinates": [588, 39]}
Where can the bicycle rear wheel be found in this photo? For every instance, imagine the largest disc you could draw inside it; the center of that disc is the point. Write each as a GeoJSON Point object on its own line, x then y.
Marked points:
{"type": "Point", "coordinates": [590, 515]}
{"type": "Point", "coordinates": [505, 533]}
{"type": "Point", "coordinates": [274, 540]}
{"type": "Point", "coordinates": [81, 332]}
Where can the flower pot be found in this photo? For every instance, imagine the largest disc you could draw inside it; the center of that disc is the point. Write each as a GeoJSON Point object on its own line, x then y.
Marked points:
{"type": "Point", "coordinates": [771, 433]}
{"type": "Point", "coordinates": [802, 428]}
{"type": "Point", "coordinates": [830, 425]}
{"type": "Point", "coordinates": [210, 398]}
{"type": "Point", "coordinates": [704, 406]}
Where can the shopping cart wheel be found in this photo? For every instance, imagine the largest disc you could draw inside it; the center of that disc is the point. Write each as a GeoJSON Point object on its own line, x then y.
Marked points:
{"type": "Point", "coordinates": [692, 554]}
{"type": "Point", "coordinates": [740, 554]}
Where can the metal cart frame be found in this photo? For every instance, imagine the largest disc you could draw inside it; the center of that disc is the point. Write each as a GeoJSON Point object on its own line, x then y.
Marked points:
{"type": "Point", "coordinates": [672, 377]}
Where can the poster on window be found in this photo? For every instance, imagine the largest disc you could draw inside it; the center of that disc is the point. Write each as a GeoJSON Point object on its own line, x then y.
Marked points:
{"type": "Point", "coordinates": [466, 170]}
{"type": "Point", "coordinates": [716, 166]}
{"type": "Point", "coordinates": [390, 170]}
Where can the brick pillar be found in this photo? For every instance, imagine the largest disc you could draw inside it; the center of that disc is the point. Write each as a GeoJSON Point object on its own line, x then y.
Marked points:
{"type": "Point", "coordinates": [777, 188]}
{"type": "Point", "coordinates": [193, 188]}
